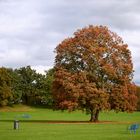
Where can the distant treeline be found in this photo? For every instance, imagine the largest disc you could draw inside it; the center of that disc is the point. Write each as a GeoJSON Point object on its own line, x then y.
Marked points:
{"type": "Point", "coordinates": [25, 85]}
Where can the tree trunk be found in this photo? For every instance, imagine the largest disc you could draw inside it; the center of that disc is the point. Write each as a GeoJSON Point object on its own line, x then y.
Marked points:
{"type": "Point", "coordinates": [94, 117]}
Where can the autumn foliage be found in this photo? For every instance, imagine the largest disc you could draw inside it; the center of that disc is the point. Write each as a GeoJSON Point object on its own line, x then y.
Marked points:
{"type": "Point", "coordinates": [5, 87]}
{"type": "Point", "coordinates": [93, 72]}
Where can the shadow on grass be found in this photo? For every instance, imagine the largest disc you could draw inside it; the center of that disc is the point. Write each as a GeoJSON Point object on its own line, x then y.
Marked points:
{"type": "Point", "coordinates": [61, 121]}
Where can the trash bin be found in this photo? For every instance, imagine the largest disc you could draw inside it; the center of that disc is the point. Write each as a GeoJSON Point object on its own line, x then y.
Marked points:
{"type": "Point", "coordinates": [16, 124]}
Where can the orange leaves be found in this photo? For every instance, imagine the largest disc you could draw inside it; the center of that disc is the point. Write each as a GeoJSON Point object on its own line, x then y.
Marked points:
{"type": "Point", "coordinates": [65, 91]}
{"type": "Point", "coordinates": [95, 98]}
{"type": "Point", "coordinates": [93, 70]}
{"type": "Point", "coordinates": [68, 105]}
{"type": "Point", "coordinates": [109, 70]}
{"type": "Point", "coordinates": [124, 98]}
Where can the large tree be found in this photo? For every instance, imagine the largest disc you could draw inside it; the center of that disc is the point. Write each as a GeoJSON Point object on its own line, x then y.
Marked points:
{"type": "Point", "coordinates": [93, 72]}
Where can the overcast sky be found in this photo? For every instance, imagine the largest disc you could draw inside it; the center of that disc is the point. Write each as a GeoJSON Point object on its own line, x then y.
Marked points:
{"type": "Point", "coordinates": [31, 29]}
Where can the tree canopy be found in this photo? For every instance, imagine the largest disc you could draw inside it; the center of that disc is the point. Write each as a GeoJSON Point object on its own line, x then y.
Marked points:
{"type": "Point", "coordinates": [25, 85]}
{"type": "Point", "coordinates": [94, 72]}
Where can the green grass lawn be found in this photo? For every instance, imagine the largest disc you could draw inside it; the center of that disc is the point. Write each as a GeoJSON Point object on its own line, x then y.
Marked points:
{"type": "Point", "coordinates": [115, 130]}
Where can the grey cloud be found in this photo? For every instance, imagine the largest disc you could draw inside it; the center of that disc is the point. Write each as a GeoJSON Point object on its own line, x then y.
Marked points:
{"type": "Point", "coordinates": [117, 14]}
{"type": "Point", "coordinates": [31, 29]}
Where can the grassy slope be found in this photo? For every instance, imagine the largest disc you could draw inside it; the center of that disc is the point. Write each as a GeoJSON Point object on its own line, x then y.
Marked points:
{"type": "Point", "coordinates": [44, 131]}
{"type": "Point", "coordinates": [10, 113]}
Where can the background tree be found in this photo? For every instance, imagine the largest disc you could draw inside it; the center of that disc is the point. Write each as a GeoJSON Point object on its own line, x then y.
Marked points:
{"type": "Point", "coordinates": [15, 85]}
{"type": "Point", "coordinates": [93, 72]}
{"type": "Point", "coordinates": [43, 86]}
{"type": "Point", "coordinates": [24, 85]}
{"type": "Point", "coordinates": [27, 84]}
{"type": "Point", "coordinates": [5, 87]}
{"type": "Point", "coordinates": [35, 87]}
{"type": "Point", "coordinates": [49, 77]}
